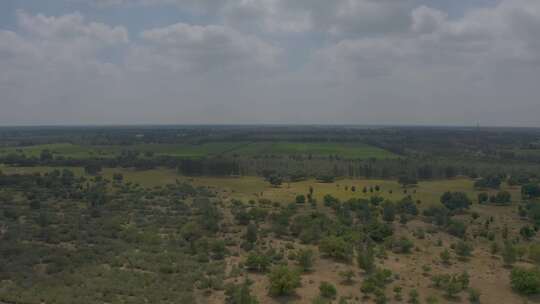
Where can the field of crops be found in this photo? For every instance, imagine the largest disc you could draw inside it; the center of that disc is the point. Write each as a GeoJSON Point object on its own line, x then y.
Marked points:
{"type": "Point", "coordinates": [349, 151]}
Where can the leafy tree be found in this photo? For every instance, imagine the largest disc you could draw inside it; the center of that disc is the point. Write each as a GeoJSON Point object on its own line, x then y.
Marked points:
{"type": "Point", "coordinates": [502, 197]}
{"type": "Point", "coordinates": [527, 232]}
{"type": "Point", "coordinates": [530, 190]}
{"type": "Point", "coordinates": [407, 206]}
{"type": "Point", "coordinates": [283, 281]}
{"type": "Point", "coordinates": [455, 201]}
{"type": "Point", "coordinates": [378, 231]}
{"type": "Point", "coordinates": [275, 180]}
{"type": "Point", "coordinates": [492, 181]}
{"type": "Point", "coordinates": [330, 201]}
{"type": "Point", "coordinates": [92, 169]}
{"type": "Point", "coordinates": [482, 197]}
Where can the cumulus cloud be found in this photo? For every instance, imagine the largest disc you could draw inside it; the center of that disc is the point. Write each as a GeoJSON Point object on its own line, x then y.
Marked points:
{"type": "Point", "coordinates": [189, 47]}
{"type": "Point", "coordinates": [341, 17]}
{"type": "Point", "coordinates": [486, 36]}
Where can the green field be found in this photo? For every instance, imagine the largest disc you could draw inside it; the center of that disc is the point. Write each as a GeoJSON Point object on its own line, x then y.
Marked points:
{"type": "Point", "coordinates": [346, 150]}
{"type": "Point", "coordinates": [350, 151]}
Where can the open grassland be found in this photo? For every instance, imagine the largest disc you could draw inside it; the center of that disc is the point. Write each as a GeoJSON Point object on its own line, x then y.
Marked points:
{"type": "Point", "coordinates": [349, 151]}
{"type": "Point", "coordinates": [254, 188]}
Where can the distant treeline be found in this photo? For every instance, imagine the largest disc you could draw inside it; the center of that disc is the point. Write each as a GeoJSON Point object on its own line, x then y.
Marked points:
{"type": "Point", "coordinates": [294, 167]}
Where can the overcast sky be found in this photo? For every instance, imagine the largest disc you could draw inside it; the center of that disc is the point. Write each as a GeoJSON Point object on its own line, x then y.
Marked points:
{"type": "Point", "coordinates": [444, 62]}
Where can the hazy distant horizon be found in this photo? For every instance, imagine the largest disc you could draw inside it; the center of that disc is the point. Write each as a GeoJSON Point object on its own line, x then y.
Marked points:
{"type": "Point", "coordinates": [268, 125]}
{"type": "Point", "coordinates": [368, 62]}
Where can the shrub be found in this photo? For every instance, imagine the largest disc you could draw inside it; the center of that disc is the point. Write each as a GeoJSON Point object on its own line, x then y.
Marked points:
{"type": "Point", "coordinates": [525, 281]}
{"type": "Point", "coordinates": [445, 257]}
{"type": "Point", "coordinates": [347, 276]}
{"type": "Point", "coordinates": [258, 262]}
{"type": "Point", "coordinates": [534, 253]}
{"type": "Point", "coordinates": [389, 211]}
{"type": "Point", "coordinates": [304, 258]}
{"type": "Point", "coordinates": [239, 294]}
{"type": "Point", "coordinates": [407, 206]}
{"type": "Point", "coordinates": [327, 290]}
{"type": "Point", "coordinates": [366, 260]}
{"type": "Point", "coordinates": [527, 232]}
{"type": "Point", "coordinates": [509, 254]}
{"type": "Point", "coordinates": [300, 199]}
{"type": "Point", "coordinates": [463, 249]}
{"type": "Point", "coordinates": [402, 245]}
{"type": "Point", "coordinates": [336, 248]}
{"type": "Point", "coordinates": [377, 281]}
{"type": "Point", "coordinates": [456, 228]}
{"type": "Point", "coordinates": [474, 296]}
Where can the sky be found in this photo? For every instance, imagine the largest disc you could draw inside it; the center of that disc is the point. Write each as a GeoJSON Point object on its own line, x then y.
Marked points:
{"type": "Point", "coordinates": [366, 62]}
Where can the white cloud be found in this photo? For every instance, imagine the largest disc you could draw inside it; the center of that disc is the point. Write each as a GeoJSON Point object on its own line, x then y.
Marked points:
{"type": "Point", "coordinates": [191, 48]}
{"type": "Point", "coordinates": [386, 61]}
{"type": "Point", "coordinates": [482, 37]}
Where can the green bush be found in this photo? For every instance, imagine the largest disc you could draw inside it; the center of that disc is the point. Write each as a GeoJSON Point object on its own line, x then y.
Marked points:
{"type": "Point", "coordinates": [283, 281]}
{"type": "Point", "coordinates": [327, 290]}
{"type": "Point", "coordinates": [337, 248]}
{"type": "Point", "coordinates": [525, 281]}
